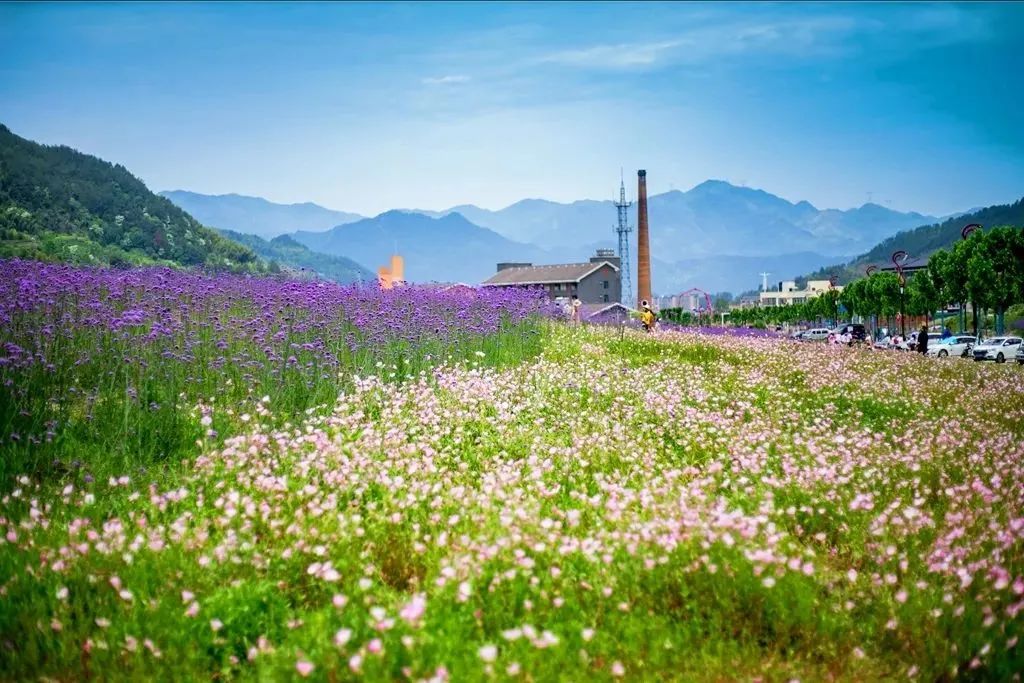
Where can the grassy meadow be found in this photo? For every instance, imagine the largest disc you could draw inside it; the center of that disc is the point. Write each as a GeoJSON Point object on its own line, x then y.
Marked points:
{"type": "Point", "coordinates": [235, 478]}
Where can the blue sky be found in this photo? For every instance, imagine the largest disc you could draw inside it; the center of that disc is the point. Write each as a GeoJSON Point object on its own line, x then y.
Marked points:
{"type": "Point", "coordinates": [366, 107]}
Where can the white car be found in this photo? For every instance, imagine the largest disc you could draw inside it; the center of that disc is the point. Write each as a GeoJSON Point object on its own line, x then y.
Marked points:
{"type": "Point", "coordinates": [997, 349]}
{"type": "Point", "coordinates": [1020, 354]}
{"type": "Point", "coordinates": [957, 345]}
{"type": "Point", "coordinates": [816, 334]}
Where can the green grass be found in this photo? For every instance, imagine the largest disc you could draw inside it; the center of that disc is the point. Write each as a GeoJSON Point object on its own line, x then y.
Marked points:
{"type": "Point", "coordinates": [678, 459]}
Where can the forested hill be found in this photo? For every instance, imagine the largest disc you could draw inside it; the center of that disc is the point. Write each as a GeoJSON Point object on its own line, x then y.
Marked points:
{"type": "Point", "coordinates": [59, 204]}
{"type": "Point", "coordinates": [298, 257]}
{"type": "Point", "coordinates": [921, 242]}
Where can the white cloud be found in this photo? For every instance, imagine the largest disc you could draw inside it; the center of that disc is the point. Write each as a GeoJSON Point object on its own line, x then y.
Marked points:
{"type": "Point", "coordinates": [614, 56]}
{"type": "Point", "coordinates": [798, 37]}
{"type": "Point", "coordinates": [445, 80]}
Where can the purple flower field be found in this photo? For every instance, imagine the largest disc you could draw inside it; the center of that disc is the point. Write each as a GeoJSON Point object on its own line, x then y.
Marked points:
{"type": "Point", "coordinates": [84, 349]}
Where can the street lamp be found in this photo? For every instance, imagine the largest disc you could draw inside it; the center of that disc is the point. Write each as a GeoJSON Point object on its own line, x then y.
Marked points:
{"type": "Point", "coordinates": [964, 234]}
{"type": "Point", "coordinates": [898, 257]}
{"type": "Point", "coordinates": [903, 327]}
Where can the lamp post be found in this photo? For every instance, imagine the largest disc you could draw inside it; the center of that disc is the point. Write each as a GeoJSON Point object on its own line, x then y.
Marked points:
{"type": "Point", "coordinates": [874, 316]}
{"type": "Point", "coordinates": [903, 326]}
{"type": "Point", "coordinates": [964, 234]}
{"type": "Point", "coordinates": [898, 257]}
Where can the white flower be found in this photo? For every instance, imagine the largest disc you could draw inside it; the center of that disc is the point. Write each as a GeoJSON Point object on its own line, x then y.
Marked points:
{"type": "Point", "coordinates": [488, 653]}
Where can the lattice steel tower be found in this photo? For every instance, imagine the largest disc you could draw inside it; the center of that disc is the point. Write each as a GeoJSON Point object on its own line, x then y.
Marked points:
{"type": "Point", "coordinates": [622, 230]}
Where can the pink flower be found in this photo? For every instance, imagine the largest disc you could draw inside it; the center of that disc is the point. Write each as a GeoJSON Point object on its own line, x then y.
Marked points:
{"type": "Point", "coordinates": [304, 668]}
{"type": "Point", "coordinates": [488, 653]}
{"type": "Point", "coordinates": [618, 670]}
{"type": "Point", "coordinates": [342, 636]}
{"type": "Point", "coordinates": [216, 625]}
{"type": "Point", "coordinates": [375, 646]}
{"type": "Point", "coordinates": [355, 662]}
{"type": "Point", "coordinates": [414, 609]}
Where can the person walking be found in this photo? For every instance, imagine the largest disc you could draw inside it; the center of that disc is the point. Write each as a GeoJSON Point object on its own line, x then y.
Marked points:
{"type": "Point", "coordinates": [922, 340]}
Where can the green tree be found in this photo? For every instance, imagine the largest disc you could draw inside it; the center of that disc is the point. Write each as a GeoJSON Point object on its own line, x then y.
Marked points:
{"type": "Point", "coordinates": [922, 296]}
{"type": "Point", "coordinates": [995, 270]}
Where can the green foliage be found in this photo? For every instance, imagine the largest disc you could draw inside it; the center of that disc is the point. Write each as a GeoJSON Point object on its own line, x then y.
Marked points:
{"type": "Point", "coordinates": [922, 241]}
{"type": "Point", "coordinates": [987, 269]}
{"type": "Point", "coordinates": [58, 204]}
{"type": "Point", "coordinates": [285, 251]}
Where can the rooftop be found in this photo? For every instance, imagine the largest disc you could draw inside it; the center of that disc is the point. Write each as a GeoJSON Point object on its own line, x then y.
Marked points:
{"type": "Point", "coordinates": [545, 275]}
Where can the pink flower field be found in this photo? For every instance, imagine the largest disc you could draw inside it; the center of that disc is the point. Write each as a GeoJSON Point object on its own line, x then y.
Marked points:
{"type": "Point", "coordinates": [675, 506]}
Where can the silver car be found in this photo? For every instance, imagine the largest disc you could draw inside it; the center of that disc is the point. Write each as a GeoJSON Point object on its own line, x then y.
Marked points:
{"type": "Point", "coordinates": [816, 334]}
{"type": "Point", "coordinates": [957, 345]}
{"type": "Point", "coordinates": [997, 349]}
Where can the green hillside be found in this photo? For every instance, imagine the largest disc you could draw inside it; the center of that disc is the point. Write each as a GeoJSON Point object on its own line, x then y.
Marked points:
{"type": "Point", "coordinates": [290, 254]}
{"type": "Point", "coordinates": [59, 204]}
{"type": "Point", "coordinates": [921, 242]}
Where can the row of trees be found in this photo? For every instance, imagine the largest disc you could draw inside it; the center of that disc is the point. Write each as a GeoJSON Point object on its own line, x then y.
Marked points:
{"type": "Point", "coordinates": [986, 270]}
{"type": "Point", "coordinates": [822, 307]}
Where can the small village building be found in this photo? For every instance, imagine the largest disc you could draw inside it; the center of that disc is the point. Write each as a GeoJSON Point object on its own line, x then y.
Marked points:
{"type": "Point", "coordinates": [788, 293]}
{"type": "Point", "coordinates": [598, 281]}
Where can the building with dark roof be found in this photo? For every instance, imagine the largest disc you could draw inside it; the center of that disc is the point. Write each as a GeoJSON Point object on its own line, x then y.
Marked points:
{"type": "Point", "coordinates": [598, 281]}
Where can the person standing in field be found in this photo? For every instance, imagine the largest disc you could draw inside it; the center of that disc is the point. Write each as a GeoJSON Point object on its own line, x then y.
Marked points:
{"type": "Point", "coordinates": [922, 340]}
{"type": "Point", "coordinates": [647, 317]}
{"type": "Point", "coordinates": [577, 313]}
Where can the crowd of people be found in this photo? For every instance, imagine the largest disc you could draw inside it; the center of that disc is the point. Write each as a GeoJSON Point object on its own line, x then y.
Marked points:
{"type": "Point", "coordinates": [915, 341]}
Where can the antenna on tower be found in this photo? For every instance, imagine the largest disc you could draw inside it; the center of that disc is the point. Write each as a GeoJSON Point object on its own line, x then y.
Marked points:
{"type": "Point", "coordinates": [622, 230]}
{"type": "Point", "coordinates": [764, 281]}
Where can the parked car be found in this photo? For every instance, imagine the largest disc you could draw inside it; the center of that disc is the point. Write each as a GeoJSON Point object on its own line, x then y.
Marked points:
{"type": "Point", "coordinates": [1020, 354]}
{"type": "Point", "coordinates": [957, 345]}
{"type": "Point", "coordinates": [856, 330]}
{"type": "Point", "coordinates": [815, 334]}
{"type": "Point", "coordinates": [997, 349]}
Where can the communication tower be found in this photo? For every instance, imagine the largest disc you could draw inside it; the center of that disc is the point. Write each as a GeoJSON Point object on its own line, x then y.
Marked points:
{"type": "Point", "coordinates": [622, 230]}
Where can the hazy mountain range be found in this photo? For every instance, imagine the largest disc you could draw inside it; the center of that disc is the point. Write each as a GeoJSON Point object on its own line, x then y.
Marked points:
{"type": "Point", "coordinates": [445, 249]}
{"type": "Point", "coordinates": [715, 218]}
{"type": "Point", "coordinates": [716, 236]}
{"type": "Point", "coordinates": [255, 215]}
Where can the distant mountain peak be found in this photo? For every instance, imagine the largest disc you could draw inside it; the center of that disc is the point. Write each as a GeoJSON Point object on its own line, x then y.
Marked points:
{"type": "Point", "coordinates": [713, 184]}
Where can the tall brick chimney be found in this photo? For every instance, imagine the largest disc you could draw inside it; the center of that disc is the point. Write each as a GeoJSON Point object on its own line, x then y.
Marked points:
{"type": "Point", "coordinates": [643, 247]}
